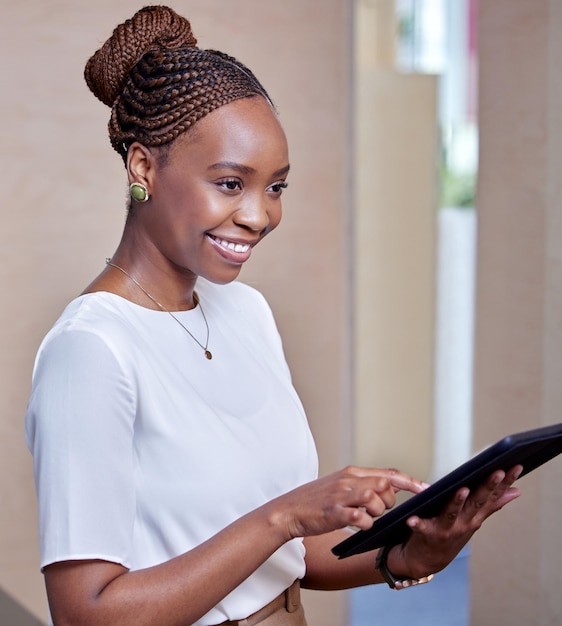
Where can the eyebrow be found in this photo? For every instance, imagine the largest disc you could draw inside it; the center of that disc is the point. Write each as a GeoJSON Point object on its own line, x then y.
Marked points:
{"type": "Point", "coordinates": [245, 169]}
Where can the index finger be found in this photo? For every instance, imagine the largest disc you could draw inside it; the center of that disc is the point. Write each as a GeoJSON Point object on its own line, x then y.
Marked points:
{"type": "Point", "coordinates": [398, 480]}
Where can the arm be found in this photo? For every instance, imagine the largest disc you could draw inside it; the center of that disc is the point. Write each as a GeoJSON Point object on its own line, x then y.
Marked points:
{"type": "Point", "coordinates": [183, 589]}
{"type": "Point", "coordinates": [433, 544]}
{"type": "Point", "coordinates": [326, 572]}
{"type": "Point", "coordinates": [178, 592]}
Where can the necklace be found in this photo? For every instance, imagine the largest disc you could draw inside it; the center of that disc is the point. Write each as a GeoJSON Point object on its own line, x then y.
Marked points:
{"type": "Point", "coordinates": [205, 349]}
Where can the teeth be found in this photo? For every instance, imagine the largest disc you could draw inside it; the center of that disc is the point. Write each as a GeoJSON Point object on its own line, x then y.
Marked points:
{"type": "Point", "coordinates": [236, 247]}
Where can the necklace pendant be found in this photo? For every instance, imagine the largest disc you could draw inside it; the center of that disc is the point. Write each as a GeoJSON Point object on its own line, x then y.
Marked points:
{"type": "Point", "coordinates": [208, 354]}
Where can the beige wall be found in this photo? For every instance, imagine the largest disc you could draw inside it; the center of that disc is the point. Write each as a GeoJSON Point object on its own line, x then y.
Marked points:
{"type": "Point", "coordinates": [63, 208]}
{"type": "Point", "coordinates": [394, 269]}
{"type": "Point", "coordinates": [394, 249]}
{"type": "Point", "coordinates": [516, 558]}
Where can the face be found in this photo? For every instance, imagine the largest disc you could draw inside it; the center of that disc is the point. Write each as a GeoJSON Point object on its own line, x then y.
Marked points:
{"type": "Point", "coordinates": [218, 194]}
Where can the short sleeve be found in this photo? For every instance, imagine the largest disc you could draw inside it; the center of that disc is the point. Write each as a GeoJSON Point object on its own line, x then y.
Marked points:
{"type": "Point", "coordinates": [79, 428]}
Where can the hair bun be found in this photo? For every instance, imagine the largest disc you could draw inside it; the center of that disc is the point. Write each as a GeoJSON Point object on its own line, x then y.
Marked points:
{"type": "Point", "coordinates": [149, 28]}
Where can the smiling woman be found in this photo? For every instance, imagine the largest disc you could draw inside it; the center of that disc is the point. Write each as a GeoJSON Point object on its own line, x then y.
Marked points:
{"type": "Point", "coordinates": [176, 489]}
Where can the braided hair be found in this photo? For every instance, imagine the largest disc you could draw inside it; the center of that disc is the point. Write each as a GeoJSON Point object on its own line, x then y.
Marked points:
{"type": "Point", "coordinates": [158, 83]}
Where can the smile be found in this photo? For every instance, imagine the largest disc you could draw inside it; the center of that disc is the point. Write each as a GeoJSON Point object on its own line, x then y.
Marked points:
{"type": "Point", "coordinates": [230, 245]}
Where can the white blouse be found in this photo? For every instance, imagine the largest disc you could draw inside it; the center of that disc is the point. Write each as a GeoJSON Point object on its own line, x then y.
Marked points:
{"type": "Point", "coordinates": [143, 448]}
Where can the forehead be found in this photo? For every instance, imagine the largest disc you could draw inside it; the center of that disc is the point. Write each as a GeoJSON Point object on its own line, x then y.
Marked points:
{"type": "Point", "coordinates": [246, 129]}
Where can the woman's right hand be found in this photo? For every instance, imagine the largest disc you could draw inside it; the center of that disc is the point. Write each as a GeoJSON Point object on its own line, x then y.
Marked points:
{"type": "Point", "coordinates": [352, 496]}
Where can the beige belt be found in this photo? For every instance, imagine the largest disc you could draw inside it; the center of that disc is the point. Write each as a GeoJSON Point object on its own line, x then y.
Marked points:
{"type": "Point", "coordinates": [287, 602]}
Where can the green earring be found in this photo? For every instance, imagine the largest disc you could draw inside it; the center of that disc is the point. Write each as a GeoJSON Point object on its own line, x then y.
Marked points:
{"type": "Point", "coordinates": [138, 192]}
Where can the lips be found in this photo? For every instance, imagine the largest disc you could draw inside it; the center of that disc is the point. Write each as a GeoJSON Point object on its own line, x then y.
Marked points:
{"type": "Point", "coordinates": [232, 250]}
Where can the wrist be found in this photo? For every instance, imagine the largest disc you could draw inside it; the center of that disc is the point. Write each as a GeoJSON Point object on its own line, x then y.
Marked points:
{"type": "Point", "coordinates": [400, 563]}
{"type": "Point", "coordinates": [397, 564]}
{"type": "Point", "coordinates": [391, 564]}
{"type": "Point", "coordinates": [278, 521]}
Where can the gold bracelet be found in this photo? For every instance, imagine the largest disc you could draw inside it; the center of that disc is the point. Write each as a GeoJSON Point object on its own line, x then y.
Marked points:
{"type": "Point", "coordinates": [393, 582]}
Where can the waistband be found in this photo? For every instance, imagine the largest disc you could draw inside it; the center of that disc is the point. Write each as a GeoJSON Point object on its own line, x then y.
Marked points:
{"type": "Point", "coordinates": [289, 600]}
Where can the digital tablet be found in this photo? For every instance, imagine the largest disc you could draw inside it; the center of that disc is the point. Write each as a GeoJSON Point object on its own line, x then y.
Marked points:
{"type": "Point", "coordinates": [530, 449]}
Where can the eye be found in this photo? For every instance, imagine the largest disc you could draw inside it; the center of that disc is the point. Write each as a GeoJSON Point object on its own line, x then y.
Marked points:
{"type": "Point", "coordinates": [278, 187]}
{"type": "Point", "coordinates": [230, 184]}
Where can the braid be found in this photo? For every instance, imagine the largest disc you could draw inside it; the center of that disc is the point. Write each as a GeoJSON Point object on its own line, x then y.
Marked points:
{"type": "Point", "coordinates": [158, 83]}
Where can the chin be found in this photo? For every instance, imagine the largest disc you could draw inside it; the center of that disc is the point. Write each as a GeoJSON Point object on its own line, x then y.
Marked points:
{"type": "Point", "coordinates": [222, 278]}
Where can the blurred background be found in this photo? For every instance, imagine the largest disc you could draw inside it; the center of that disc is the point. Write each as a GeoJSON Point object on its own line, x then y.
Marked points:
{"type": "Point", "coordinates": [416, 277]}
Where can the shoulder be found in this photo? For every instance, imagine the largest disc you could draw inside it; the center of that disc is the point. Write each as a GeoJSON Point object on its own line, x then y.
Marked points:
{"type": "Point", "coordinates": [90, 324]}
{"type": "Point", "coordinates": [98, 313]}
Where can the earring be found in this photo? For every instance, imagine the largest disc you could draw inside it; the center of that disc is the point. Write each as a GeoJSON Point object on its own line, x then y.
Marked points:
{"type": "Point", "coordinates": [138, 192]}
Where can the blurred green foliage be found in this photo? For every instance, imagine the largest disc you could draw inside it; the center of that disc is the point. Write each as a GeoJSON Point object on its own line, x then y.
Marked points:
{"type": "Point", "coordinates": [457, 189]}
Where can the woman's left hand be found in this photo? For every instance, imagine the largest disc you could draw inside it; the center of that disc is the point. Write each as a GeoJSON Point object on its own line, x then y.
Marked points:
{"type": "Point", "coordinates": [435, 542]}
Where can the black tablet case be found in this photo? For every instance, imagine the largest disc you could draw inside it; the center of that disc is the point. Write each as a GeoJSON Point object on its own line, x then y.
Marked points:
{"type": "Point", "coordinates": [531, 449]}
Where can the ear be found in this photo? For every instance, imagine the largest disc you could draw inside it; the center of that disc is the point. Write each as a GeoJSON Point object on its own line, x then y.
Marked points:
{"type": "Point", "coordinates": [140, 165]}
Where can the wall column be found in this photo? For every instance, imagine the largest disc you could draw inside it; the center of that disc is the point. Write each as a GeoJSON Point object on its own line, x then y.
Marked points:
{"type": "Point", "coordinates": [396, 165]}
{"type": "Point", "coordinates": [516, 558]}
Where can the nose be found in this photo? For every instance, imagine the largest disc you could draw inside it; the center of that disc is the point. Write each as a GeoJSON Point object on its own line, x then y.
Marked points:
{"type": "Point", "coordinates": [254, 215]}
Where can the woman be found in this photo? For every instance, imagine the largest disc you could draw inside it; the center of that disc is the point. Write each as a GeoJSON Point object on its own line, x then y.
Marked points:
{"type": "Point", "coordinates": [176, 474]}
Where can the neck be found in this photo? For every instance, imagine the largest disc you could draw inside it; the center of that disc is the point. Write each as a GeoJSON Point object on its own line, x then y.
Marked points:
{"type": "Point", "coordinates": [172, 288]}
